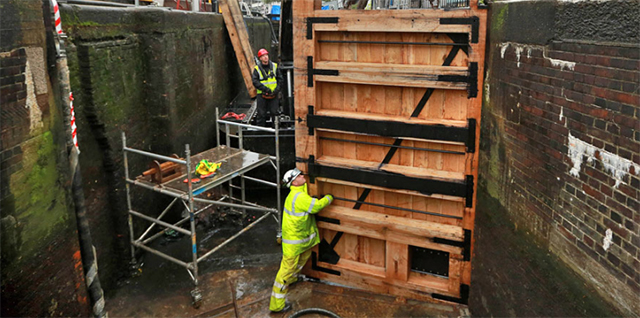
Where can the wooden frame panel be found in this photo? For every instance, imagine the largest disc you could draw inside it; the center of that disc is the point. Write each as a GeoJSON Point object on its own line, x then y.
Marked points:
{"type": "Point", "coordinates": [405, 66]}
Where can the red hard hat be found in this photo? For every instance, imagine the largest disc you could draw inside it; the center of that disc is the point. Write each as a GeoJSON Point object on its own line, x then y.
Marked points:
{"type": "Point", "coordinates": [262, 52]}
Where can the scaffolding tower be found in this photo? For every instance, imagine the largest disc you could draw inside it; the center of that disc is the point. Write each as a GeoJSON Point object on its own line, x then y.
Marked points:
{"type": "Point", "coordinates": [235, 163]}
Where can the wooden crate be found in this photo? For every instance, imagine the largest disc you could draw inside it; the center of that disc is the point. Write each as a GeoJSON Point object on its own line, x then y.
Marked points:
{"type": "Point", "coordinates": [391, 130]}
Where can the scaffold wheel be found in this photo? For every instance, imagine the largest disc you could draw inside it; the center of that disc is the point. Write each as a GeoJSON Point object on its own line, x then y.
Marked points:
{"type": "Point", "coordinates": [196, 298]}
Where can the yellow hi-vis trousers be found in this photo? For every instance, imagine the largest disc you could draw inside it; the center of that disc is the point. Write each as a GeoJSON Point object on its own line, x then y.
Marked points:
{"type": "Point", "coordinates": [288, 274]}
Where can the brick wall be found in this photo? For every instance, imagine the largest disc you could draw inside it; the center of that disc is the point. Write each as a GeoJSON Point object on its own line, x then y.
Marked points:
{"type": "Point", "coordinates": [40, 259]}
{"type": "Point", "coordinates": [561, 145]}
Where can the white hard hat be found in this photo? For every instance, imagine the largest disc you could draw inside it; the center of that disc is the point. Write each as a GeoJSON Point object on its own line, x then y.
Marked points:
{"type": "Point", "coordinates": [291, 175]}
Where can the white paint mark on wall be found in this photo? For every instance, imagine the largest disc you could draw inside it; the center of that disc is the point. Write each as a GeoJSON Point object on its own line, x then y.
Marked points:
{"type": "Point", "coordinates": [519, 48]}
{"type": "Point", "coordinates": [561, 113]}
{"type": "Point", "coordinates": [560, 63]}
{"type": "Point", "coordinates": [35, 56]}
{"type": "Point", "coordinates": [35, 114]}
{"type": "Point", "coordinates": [503, 48]}
{"type": "Point", "coordinates": [606, 242]}
{"type": "Point", "coordinates": [613, 164]}
{"type": "Point", "coordinates": [487, 88]}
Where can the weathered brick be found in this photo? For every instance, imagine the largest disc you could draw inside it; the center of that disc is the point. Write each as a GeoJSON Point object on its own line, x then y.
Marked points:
{"type": "Point", "coordinates": [11, 71]}
{"type": "Point", "coordinates": [635, 182]}
{"type": "Point", "coordinates": [567, 233]}
{"type": "Point", "coordinates": [628, 191]}
{"type": "Point", "coordinates": [597, 143]}
{"type": "Point", "coordinates": [616, 217]}
{"type": "Point", "coordinates": [629, 87]}
{"type": "Point", "coordinates": [617, 240]}
{"type": "Point", "coordinates": [626, 52]}
{"type": "Point", "coordinates": [635, 286]}
{"type": "Point", "coordinates": [629, 248]}
{"type": "Point", "coordinates": [616, 228]}
{"type": "Point", "coordinates": [627, 64]}
{"type": "Point", "coordinates": [635, 240]}
{"type": "Point", "coordinates": [620, 197]}
{"type": "Point", "coordinates": [610, 148]}
{"type": "Point", "coordinates": [13, 61]}
{"type": "Point", "coordinates": [588, 250]}
{"type": "Point", "coordinates": [613, 259]}
{"type": "Point", "coordinates": [606, 190]}
{"type": "Point", "coordinates": [626, 132]}
{"type": "Point", "coordinates": [629, 225]}
{"type": "Point", "coordinates": [633, 204]}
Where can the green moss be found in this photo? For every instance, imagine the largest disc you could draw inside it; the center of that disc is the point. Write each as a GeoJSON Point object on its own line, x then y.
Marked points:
{"type": "Point", "coordinates": [40, 203]}
{"type": "Point", "coordinates": [499, 18]}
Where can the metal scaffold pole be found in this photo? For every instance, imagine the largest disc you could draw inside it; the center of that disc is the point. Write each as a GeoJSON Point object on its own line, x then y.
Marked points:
{"type": "Point", "coordinates": [278, 176]}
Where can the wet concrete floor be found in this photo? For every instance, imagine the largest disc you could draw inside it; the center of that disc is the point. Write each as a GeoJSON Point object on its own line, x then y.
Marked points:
{"type": "Point", "coordinates": [511, 277]}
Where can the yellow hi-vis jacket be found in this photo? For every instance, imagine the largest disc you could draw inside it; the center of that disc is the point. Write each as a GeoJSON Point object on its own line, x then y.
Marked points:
{"type": "Point", "coordinates": [270, 79]}
{"type": "Point", "coordinates": [299, 229]}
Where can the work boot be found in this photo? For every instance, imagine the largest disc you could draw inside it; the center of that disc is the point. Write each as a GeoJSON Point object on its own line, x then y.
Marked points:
{"type": "Point", "coordinates": [287, 307]}
{"type": "Point", "coordinates": [296, 279]}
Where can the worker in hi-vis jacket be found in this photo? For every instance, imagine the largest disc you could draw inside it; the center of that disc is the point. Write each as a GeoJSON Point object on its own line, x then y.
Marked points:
{"type": "Point", "coordinates": [267, 80]}
{"type": "Point", "coordinates": [299, 235]}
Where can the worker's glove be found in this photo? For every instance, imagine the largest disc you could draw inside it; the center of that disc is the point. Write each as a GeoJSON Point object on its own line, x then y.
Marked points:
{"type": "Point", "coordinates": [268, 91]}
{"type": "Point", "coordinates": [329, 197]}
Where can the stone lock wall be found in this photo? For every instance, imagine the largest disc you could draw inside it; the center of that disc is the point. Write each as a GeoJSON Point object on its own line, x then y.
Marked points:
{"type": "Point", "coordinates": [158, 75]}
{"type": "Point", "coordinates": [561, 134]}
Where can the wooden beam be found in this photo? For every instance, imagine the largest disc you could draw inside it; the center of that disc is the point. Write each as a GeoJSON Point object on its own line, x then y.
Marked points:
{"type": "Point", "coordinates": [384, 117]}
{"type": "Point", "coordinates": [240, 41]}
{"type": "Point", "coordinates": [374, 23]}
{"type": "Point", "coordinates": [415, 287]}
{"type": "Point", "coordinates": [408, 171]}
{"type": "Point", "coordinates": [383, 223]}
{"type": "Point", "coordinates": [390, 69]}
{"type": "Point", "coordinates": [416, 193]}
{"type": "Point", "coordinates": [421, 76]}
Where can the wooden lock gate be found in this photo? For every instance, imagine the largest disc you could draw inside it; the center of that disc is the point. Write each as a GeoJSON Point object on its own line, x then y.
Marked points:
{"type": "Point", "coordinates": [388, 104]}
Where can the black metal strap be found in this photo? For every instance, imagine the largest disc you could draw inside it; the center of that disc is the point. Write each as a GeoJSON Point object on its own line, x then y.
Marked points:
{"type": "Point", "coordinates": [472, 91]}
{"type": "Point", "coordinates": [465, 244]}
{"type": "Point", "coordinates": [326, 253]}
{"type": "Point", "coordinates": [389, 180]}
{"type": "Point", "coordinates": [310, 110]}
{"type": "Point", "coordinates": [471, 140]}
{"type": "Point", "coordinates": [460, 39]}
{"type": "Point", "coordinates": [313, 71]}
{"type": "Point", "coordinates": [469, 196]}
{"type": "Point", "coordinates": [328, 220]}
{"type": "Point", "coordinates": [471, 80]}
{"type": "Point", "coordinates": [315, 267]}
{"type": "Point", "coordinates": [474, 22]}
{"type": "Point", "coordinates": [389, 128]}
{"type": "Point", "coordinates": [312, 20]}
{"type": "Point", "coordinates": [464, 296]}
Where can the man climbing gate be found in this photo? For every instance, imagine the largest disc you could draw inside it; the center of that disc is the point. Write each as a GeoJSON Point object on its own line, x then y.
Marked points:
{"type": "Point", "coordinates": [299, 235]}
{"type": "Point", "coordinates": [267, 80]}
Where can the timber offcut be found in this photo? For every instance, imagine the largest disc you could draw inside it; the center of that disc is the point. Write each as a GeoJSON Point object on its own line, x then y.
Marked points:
{"type": "Point", "coordinates": [388, 104]}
